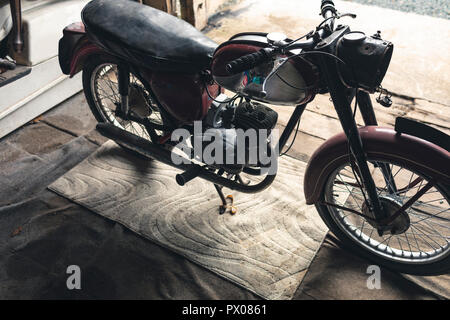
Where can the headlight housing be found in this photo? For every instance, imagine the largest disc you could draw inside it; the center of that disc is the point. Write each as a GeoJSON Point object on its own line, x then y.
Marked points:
{"type": "Point", "coordinates": [366, 60]}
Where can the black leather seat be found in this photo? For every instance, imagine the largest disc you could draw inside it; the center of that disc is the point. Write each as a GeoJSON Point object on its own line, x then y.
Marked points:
{"type": "Point", "coordinates": [147, 36]}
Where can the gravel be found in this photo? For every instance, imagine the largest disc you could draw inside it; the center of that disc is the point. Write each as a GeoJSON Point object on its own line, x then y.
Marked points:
{"type": "Point", "coordinates": [435, 8]}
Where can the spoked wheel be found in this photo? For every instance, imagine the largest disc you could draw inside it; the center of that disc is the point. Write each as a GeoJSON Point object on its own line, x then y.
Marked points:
{"type": "Point", "coordinates": [100, 84]}
{"type": "Point", "coordinates": [417, 241]}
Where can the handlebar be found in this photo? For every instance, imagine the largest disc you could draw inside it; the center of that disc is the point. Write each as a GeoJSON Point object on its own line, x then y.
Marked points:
{"type": "Point", "coordinates": [328, 10]}
{"type": "Point", "coordinates": [327, 6]}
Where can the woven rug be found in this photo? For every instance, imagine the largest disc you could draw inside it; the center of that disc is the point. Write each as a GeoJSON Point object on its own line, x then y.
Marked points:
{"type": "Point", "coordinates": [266, 247]}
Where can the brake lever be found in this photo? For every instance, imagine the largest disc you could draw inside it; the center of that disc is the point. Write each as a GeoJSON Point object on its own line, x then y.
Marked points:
{"type": "Point", "coordinates": [351, 15]}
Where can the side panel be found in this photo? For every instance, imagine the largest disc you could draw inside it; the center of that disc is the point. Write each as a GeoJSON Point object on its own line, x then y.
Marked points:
{"type": "Point", "coordinates": [183, 96]}
{"type": "Point", "coordinates": [379, 143]}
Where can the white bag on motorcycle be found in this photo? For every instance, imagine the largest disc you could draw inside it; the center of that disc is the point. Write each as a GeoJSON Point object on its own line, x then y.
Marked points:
{"type": "Point", "coordinates": [5, 19]}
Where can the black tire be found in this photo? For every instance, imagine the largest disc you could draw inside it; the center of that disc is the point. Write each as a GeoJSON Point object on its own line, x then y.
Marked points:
{"type": "Point", "coordinates": [92, 64]}
{"type": "Point", "coordinates": [440, 266]}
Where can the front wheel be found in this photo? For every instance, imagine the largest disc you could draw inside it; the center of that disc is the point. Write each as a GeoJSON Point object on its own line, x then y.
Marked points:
{"type": "Point", "coordinates": [418, 241]}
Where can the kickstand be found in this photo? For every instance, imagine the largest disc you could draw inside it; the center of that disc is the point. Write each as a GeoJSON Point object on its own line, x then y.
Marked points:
{"type": "Point", "coordinates": [225, 206]}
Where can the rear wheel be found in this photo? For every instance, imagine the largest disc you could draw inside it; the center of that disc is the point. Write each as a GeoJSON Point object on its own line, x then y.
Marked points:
{"type": "Point", "coordinates": [100, 84]}
{"type": "Point", "coordinates": [416, 242]}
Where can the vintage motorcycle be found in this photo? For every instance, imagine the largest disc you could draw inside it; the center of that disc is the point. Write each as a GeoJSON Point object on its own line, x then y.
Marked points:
{"type": "Point", "coordinates": [384, 192]}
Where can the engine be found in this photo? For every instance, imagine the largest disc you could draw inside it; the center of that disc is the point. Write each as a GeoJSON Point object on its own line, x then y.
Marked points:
{"type": "Point", "coordinates": [252, 115]}
{"type": "Point", "coordinates": [244, 130]}
{"type": "Point", "coordinates": [245, 115]}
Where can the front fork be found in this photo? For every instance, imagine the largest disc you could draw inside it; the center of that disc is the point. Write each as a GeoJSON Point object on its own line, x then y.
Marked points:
{"type": "Point", "coordinates": [342, 104]}
{"type": "Point", "coordinates": [369, 118]}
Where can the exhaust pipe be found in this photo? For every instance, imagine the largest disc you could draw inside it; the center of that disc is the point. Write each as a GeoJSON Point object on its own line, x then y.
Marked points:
{"type": "Point", "coordinates": [138, 144]}
{"type": "Point", "coordinates": [192, 170]}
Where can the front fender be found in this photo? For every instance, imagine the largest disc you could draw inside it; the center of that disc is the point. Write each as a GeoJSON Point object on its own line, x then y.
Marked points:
{"type": "Point", "coordinates": [379, 144]}
{"type": "Point", "coordinates": [74, 47]}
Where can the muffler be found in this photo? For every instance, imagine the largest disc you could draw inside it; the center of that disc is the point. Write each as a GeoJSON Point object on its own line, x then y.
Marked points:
{"type": "Point", "coordinates": [192, 170]}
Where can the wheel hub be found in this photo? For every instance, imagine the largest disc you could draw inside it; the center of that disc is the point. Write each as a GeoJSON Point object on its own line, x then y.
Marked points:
{"type": "Point", "coordinates": [390, 204]}
{"type": "Point", "coordinates": [138, 101]}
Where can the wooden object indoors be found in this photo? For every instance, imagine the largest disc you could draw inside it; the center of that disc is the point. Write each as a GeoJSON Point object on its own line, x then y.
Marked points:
{"type": "Point", "coordinates": [168, 6]}
{"type": "Point", "coordinates": [195, 12]}
{"type": "Point", "coordinates": [16, 14]}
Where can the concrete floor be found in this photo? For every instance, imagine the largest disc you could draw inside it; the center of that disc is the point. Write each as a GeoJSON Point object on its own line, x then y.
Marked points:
{"type": "Point", "coordinates": [123, 265]}
{"type": "Point", "coordinates": [42, 233]}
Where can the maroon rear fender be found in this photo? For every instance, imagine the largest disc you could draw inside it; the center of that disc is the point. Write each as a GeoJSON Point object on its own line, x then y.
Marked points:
{"type": "Point", "coordinates": [380, 144]}
{"type": "Point", "coordinates": [74, 48]}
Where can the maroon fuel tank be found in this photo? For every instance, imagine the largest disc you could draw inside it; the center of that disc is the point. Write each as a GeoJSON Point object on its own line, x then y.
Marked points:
{"type": "Point", "coordinates": [296, 82]}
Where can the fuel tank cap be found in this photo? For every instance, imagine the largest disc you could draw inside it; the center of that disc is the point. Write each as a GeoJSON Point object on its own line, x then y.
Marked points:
{"type": "Point", "coordinates": [276, 37]}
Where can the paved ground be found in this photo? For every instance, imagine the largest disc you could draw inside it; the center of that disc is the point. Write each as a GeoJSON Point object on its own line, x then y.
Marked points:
{"type": "Point", "coordinates": [435, 8]}
{"type": "Point", "coordinates": [41, 233]}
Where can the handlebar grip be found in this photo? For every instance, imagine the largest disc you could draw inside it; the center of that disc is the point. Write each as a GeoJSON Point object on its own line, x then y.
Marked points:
{"type": "Point", "coordinates": [249, 61]}
{"type": "Point", "coordinates": [327, 5]}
